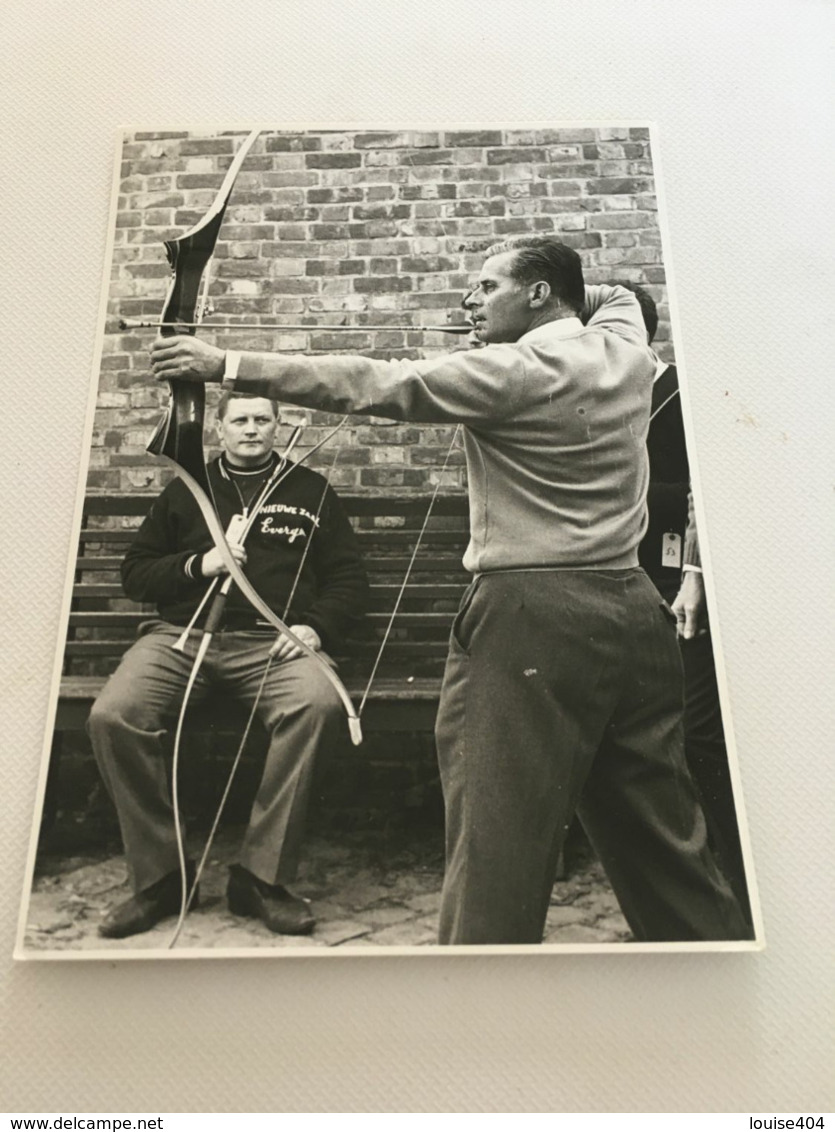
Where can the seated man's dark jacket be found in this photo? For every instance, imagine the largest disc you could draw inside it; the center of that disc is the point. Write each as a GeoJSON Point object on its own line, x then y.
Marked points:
{"type": "Point", "coordinates": [330, 593]}
{"type": "Point", "coordinates": [669, 483]}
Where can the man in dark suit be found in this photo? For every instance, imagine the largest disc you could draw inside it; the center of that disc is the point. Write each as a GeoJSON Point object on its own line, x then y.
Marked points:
{"type": "Point", "coordinates": [669, 554]}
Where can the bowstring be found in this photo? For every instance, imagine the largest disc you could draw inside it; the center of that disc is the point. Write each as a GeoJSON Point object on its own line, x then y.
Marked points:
{"type": "Point", "coordinates": [222, 197]}
{"type": "Point", "coordinates": [429, 509]}
{"type": "Point", "coordinates": [188, 898]}
{"type": "Point", "coordinates": [221, 201]}
{"type": "Point", "coordinates": [198, 872]}
{"type": "Point", "coordinates": [187, 893]}
{"type": "Point", "coordinates": [314, 529]}
{"type": "Point", "coordinates": [408, 573]}
{"type": "Point", "coordinates": [185, 896]}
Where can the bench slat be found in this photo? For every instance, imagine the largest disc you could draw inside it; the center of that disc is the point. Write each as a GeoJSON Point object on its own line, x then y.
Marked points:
{"type": "Point", "coordinates": [401, 534]}
{"type": "Point", "coordinates": [103, 619]}
{"type": "Point", "coordinates": [359, 649]}
{"type": "Point", "coordinates": [393, 704]}
{"type": "Point", "coordinates": [88, 687]}
{"type": "Point", "coordinates": [106, 534]}
{"type": "Point", "coordinates": [119, 504]}
{"type": "Point", "coordinates": [383, 594]}
{"type": "Point", "coordinates": [374, 564]}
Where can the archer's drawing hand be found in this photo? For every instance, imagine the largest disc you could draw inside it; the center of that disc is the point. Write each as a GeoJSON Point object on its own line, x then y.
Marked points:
{"type": "Point", "coordinates": [690, 606]}
{"type": "Point", "coordinates": [185, 358]}
{"type": "Point", "coordinates": [285, 649]}
{"type": "Point", "coordinates": [211, 564]}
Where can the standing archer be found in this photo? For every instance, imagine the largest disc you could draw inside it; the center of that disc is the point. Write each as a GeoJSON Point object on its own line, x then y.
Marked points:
{"type": "Point", "coordinates": [562, 688]}
{"type": "Point", "coordinates": [300, 553]}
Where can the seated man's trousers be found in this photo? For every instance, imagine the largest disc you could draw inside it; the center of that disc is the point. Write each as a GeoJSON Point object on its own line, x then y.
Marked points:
{"type": "Point", "coordinates": [131, 718]}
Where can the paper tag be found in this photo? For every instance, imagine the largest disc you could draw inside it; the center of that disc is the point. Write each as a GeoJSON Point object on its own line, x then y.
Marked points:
{"type": "Point", "coordinates": [671, 550]}
{"type": "Point", "coordinates": [237, 525]}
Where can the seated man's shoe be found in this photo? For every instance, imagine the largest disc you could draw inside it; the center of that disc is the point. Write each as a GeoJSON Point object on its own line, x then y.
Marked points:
{"type": "Point", "coordinates": [281, 911]}
{"type": "Point", "coordinates": [146, 908]}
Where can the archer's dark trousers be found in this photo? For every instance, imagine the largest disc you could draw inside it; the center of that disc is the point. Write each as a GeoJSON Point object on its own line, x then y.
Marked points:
{"type": "Point", "coordinates": [129, 723]}
{"type": "Point", "coordinates": [563, 692]}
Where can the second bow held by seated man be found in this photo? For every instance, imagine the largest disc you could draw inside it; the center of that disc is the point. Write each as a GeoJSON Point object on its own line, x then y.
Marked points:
{"type": "Point", "coordinates": [301, 554]}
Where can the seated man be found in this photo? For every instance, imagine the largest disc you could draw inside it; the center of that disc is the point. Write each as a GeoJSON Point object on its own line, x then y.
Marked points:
{"type": "Point", "coordinates": [300, 554]}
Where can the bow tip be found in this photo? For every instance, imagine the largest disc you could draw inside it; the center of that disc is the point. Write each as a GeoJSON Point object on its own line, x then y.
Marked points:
{"type": "Point", "coordinates": [355, 729]}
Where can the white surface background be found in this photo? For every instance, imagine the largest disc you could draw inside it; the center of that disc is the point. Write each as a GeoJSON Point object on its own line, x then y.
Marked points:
{"type": "Point", "coordinates": [743, 96]}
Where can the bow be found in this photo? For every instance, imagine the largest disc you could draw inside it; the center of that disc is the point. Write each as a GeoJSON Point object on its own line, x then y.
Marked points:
{"type": "Point", "coordinates": [179, 436]}
{"type": "Point", "coordinates": [179, 440]}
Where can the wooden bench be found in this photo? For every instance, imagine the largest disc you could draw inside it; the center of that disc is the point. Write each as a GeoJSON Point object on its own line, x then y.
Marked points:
{"type": "Point", "coordinates": [404, 694]}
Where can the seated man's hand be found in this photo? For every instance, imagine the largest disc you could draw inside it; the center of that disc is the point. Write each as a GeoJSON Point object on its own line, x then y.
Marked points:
{"type": "Point", "coordinates": [186, 358]}
{"type": "Point", "coordinates": [690, 606]}
{"type": "Point", "coordinates": [285, 649]}
{"type": "Point", "coordinates": [211, 564]}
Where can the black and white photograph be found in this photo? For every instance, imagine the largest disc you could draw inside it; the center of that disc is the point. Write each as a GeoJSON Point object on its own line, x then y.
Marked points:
{"type": "Point", "coordinates": [389, 626]}
{"type": "Point", "coordinates": [313, 265]}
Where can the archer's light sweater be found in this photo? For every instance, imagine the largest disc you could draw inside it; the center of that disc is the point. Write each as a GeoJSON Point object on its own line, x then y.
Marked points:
{"type": "Point", "coordinates": [555, 429]}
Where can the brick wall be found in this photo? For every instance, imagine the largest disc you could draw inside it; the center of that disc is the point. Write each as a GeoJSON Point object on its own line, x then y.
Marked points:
{"type": "Point", "coordinates": [357, 229]}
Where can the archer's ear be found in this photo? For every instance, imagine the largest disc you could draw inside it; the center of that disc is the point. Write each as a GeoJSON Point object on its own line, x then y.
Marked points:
{"type": "Point", "coordinates": [540, 293]}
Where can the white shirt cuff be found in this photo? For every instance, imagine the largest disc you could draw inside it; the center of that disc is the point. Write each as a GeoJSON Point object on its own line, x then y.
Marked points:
{"type": "Point", "coordinates": [230, 370]}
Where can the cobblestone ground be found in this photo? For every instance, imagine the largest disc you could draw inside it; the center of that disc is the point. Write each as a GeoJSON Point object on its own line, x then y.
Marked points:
{"type": "Point", "coordinates": [367, 890]}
